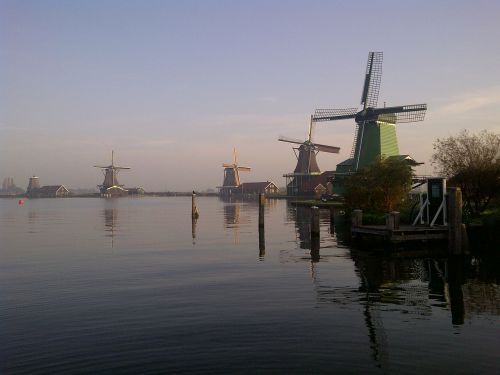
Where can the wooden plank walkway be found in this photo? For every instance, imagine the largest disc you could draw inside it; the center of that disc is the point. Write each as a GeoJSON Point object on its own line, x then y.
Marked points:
{"type": "Point", "coordinates": [403, 233]}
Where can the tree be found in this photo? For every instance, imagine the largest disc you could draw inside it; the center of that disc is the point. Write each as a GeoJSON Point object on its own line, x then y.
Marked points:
{"type": "Point", "coordinates": [381, 186]}
{"type": "Point", "coordinates": [471, 162]}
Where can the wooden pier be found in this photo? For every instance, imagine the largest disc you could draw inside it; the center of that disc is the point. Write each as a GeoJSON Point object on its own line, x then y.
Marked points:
{"type": "Point", "coordinates": [452, 230]}
{"type": "Point", "coordinates": [402, 234]}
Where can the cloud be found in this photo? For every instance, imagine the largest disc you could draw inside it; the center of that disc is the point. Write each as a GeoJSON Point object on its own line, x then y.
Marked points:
{"type": "Point", "coordinates": [471, 102]}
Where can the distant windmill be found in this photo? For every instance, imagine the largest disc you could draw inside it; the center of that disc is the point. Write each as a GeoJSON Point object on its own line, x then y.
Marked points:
{"type": "Point", "coordinates": [299, 181]}
{"type": "Point", "coordinates": [232, 176]}
{"type": "Point", "coordinates": [375, 134]}
{"type": "Point", "coordinates": [110, 186]}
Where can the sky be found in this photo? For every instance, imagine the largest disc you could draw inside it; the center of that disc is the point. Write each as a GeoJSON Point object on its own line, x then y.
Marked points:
{"type": "Point", "coordinates": [173, 86]}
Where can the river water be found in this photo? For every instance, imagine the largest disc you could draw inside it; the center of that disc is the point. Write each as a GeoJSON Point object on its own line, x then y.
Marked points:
{"type": "Point", "coordinates": [130, 285]}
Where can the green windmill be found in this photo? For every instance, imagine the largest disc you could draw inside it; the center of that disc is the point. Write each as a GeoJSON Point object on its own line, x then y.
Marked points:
{"type": "Point", "coordinates": [375, 134]}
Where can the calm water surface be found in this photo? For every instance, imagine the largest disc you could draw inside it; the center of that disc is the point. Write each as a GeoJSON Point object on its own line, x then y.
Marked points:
{"type": "Point", "coordinates": [131, 286]}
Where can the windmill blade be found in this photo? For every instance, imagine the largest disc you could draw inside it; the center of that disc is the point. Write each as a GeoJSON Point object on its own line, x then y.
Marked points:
{"type": "Point", "coordinates": [290, 140]}
{"type": "Point", "coordinates": [371, 88]}
{"type": "Point", "coordinates": [334, 114]}
{"type": "Point", "coordinates": [121, 168]}
{"type": "Point", "coordinates": [225, 165]}
{"type": "Point", "coordinates": [401, 114]}
{"type": "Point", "coordinates": [246, 169]}
{"type": "Point", "coordinates": [326, 148]}
{"type": "Point", "coordinates": [103, 167]}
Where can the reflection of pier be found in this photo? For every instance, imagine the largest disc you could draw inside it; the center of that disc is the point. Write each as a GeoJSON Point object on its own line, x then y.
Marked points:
{"type": "Point", "coordinates": [412, 286]}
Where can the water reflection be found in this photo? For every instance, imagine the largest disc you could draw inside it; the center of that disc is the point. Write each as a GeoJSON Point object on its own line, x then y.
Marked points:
{"type": "Point", "coordinates": [262, 242]}
{"type": "Point", "coordinates": [194, 221]}
{"type": "Point", "coordinates": [110, 222]}
{"type": "Point", "coordinates": [301, 217]}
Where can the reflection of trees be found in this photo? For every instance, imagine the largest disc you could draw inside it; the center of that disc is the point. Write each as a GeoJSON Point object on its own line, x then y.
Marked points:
{"type": "Point", "coordinates": [402, 282]}
{"type": "Point", "coordinates": [413, 287]}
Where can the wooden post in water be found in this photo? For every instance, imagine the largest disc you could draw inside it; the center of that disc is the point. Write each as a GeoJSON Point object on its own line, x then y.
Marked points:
{"type": "Point", "coordinates": [314, 222]}
{"type": "Point", "coordinates": [454, 221]}
{"type": "Point", "coordinates": [262, 202]}
{"type": "Point", "coordinates": [455, 279]}
{"type": "Point", "coordinates": [315, 249]}
{"type": "Point", "coordinates": [194, 209]}
{"type": "Point", "coordinates": [262, 242]}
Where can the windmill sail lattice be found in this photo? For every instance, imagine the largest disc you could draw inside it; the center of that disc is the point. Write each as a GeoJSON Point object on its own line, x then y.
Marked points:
{"type": "Point", "coordinates": [375, 134]}
{"type": "Point", "coordinates": [231, 179]}
{"type": "Point", "coordinates": [110, 186]}
{"type": "Point", "coordinates": [299, 182]}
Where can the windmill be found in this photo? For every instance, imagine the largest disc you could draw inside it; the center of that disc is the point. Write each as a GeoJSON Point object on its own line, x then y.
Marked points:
{"type": "Point", "coordinates": [231, 180]}
{"type": "Point", "coordinates": [303, 178]}
{"type": "Point", "coordinates": [375, 134]}
{"type": "Point", "coordinates": [110, 186]}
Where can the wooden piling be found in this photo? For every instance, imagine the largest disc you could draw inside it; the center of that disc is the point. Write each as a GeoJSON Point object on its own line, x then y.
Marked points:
{"type": "Point", "coordinates": [262, 242]}
{"type": "Point", "coordinates": [455, 221]}
{"type": "Point", "coordinates": [262, 202]}
{"type": "Point", "coordinates": [194, 209]}
{"type": "Point", "coordinates": [455, 279]}
{"type": "Point", "coordinates": [315, 256]}
{"type": "Point", "coordinates": [314, 221]}
{"type": "Point", "coordinates": [392, 220]}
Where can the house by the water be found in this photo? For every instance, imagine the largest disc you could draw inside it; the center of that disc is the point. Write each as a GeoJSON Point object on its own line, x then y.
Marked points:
{"type": "Point", "coordinates": [34, 190]}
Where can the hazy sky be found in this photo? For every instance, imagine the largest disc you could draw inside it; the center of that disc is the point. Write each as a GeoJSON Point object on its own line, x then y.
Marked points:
{"type": "Point", "coordinates": [173, 86]}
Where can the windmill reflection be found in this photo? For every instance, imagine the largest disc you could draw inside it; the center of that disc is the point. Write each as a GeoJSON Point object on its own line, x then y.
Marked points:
{"type": "Point", "coordinates": [110, 222]}
{"type": "Point", "coordinates": [301, 217]}
{"type": "Point", "coordinates": [410, 282]}
{"type": "Point", "coordinates": [232, 218]}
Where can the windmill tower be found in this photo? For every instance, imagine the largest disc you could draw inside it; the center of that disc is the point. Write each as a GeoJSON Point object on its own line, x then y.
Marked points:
{"type": "Point", "coordinates": [375, 134]}
{"type": "Point", "coordinates": [231, 180]}
{"type": "Point", "coordinates": [110, 187]}
{"type": "Point", "coordinates": [303, 179]}
{"type": "Point", "coordinates": [33, 187]}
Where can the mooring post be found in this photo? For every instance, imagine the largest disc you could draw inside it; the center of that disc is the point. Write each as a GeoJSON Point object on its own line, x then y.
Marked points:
{"type": "Point", "coordinates": [314, 221]}
{"type": "Point", "coordinates": [194, 209]}
{"type": "Point", "coordinates": [262, 202]}
{"type": "Point", "coordinates": [454, 221]}
{"type": "Point", "coordinates": [357, 218]}
{"type": "Point", "coordinates": [392, 220]}
{"type": "Point", "coordinates": [193, 228]}
{"type": "Point", "coordinates": [262, 242]}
